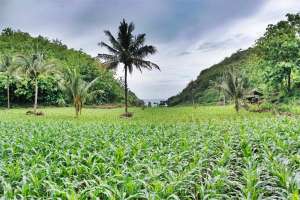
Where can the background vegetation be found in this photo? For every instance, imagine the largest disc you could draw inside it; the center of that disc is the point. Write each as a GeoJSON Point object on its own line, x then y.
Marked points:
{"type": "Point", "coordinates": [17, 43]}
{"type": "Point", "coordinates": [271, 66]}
{"type": "Point", "coordinates": [159, 153]}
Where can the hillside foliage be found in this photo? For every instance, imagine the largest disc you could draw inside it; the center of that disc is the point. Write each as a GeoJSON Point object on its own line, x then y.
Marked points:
{"type": "Point", "coordinates": [272, 66]}
{"type": "Point", "coordinates": [16, 43]}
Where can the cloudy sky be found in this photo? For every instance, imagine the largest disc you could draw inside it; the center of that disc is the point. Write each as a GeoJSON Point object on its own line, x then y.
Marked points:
{"type": "Point", "coordinates": [190, 35]}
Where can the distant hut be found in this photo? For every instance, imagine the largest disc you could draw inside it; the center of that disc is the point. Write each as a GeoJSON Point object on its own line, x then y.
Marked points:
{"type": "Point", "coordinates": [254, 96]}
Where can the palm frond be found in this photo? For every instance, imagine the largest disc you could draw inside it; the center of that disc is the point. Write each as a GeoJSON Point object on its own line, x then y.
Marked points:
{"type": "Point", "coordinates": [145, 64]}
{"type": "Point", "coordinates": [112, 40]}
{"type": "Point", "coordinates": [131, 27]}
{"type": "Point", "coordinates": [110, 61]}
{"type": "Point", "coordinates": [109, 48]}
{"type": "Point", "coordinates": [74, 85]}
{"type": "Point", "coordinates": [36, 65]}
{"type": "Point", "coordinates": [90, 84]}
{"type": "Point", "coordinates": [144, 51]}
{"type": "Point", "coordinates": [138, 41]}
{"type": "Point", "coordinates": [125, 36]}
{"type": "Point", "coordinates": [107, 57]}
{"type": "Point", "coordinates": [130, 68]}
{"type": "Point", "coordinates": [7, 66]}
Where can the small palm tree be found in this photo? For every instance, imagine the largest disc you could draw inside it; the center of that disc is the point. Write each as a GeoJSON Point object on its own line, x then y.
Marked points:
{"type": "Point", "coordinates": [35, 66]}
{"type": "Point", "coordinates": [128, 50]}
{"type": "Point", "coordinates": [76, 88]}
{"type": "Point", "coordinates": [216, 85]}
{"type": "Point", "coordinates": [235, 85]}
{"type": "Point", "coordinates": [8, 69]}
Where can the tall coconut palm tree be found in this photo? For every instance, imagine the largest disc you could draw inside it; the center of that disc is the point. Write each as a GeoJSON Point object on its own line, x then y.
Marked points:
{"type": "Point", "coordinates": [8, 69]}
{"type": "Point", "coordinates": [128, 50]}
{"type": "Point", "coordinates": [76, 88]}
{"type": "Point", "coordinates": [35, 66]}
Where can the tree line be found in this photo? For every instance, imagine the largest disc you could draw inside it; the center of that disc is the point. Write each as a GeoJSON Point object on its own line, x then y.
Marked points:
{"type": "Point", "coordinates": [76, 76]}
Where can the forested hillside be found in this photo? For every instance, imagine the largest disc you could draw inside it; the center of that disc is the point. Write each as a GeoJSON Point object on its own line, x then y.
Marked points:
{"type": "Point", "coordinates": [270, 66]}
{"type": "Point", "coordinates": [201, 89]}
{"type": "Point", "coordinates": [16, 43]}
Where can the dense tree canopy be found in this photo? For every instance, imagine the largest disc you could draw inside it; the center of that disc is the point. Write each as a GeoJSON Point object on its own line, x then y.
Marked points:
{"type": "Point", "coordinates": [18, 43]}
{"type": "Point", "coordinates": [279, 49]}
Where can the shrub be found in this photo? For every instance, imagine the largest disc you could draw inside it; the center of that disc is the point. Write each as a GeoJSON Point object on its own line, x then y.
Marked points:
{"type": "Point", "coordinates": [283, 108]}
{"type": "Point", "coordinates": [266, 106]}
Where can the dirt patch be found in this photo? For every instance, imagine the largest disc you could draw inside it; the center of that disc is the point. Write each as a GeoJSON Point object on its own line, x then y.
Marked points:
{"type": "Point", "coordinates": [108, 106]}
{"type": "Point", "coordinates": [261, 110]}
{"type": "Point", "coordinates": [289, 114]}
{"type": "Point", "coordinates": [38, 113]}
{"type": "Point", "coordinates": [127, 115]}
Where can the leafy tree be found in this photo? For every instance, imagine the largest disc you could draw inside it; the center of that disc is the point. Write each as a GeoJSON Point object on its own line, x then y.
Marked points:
{"type": "Point", "coordinates": [280, 48]}
{"type": "Point", "coordinates": [8, 69]}
{"type": "Point", "coordinates": [35, 66]}
{"type": "Point", "coordinates": [76, 88]}
{"type": "Point", "coordinates": [235, 86]}
{"type": "Point", "coordinates": [129, 50]}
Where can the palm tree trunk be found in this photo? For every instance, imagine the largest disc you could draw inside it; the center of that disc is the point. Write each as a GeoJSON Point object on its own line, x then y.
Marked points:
{"type": "Point", "coordinates": [80, 107]}
{"type": "Point", "coordinates": [126, 91]}
{"type": "Point", "coordinates": [8, 101]}
{"type": "Point", "coordinates": [193, 103]}
{"type": "Point", "coordinates": [289, 82]}
{"type": "Point", "coordinates": [35, 96]}
{"type": "Point", "coordinates": [76, 110]}
{"type": "Point", "coordinates": [76, 105]}
{"type": "Point", "coordinates": [193, 100]}
{"type": "Point", "coordinates": [236, 104]}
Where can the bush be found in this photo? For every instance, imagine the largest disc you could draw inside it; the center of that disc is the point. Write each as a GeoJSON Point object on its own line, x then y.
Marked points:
{"type": "Point", "coordinates": [209, 96]}
{"type": "Point", "coordinates": [284, 108]}
{"type": "Point", "coordinates": [61, 102]}
{"type": "Point", "coordinates": [266, 106]}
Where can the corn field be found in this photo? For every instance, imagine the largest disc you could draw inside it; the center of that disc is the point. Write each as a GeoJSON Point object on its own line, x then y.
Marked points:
{"type": "Point", "coordinates": [215, 159]}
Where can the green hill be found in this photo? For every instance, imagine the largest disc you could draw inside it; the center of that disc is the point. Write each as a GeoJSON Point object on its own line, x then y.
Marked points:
{"type": "Point", "coordinates": [200, 89]}
{"type": "Point", "coordinates": [17, 42]}
{"type": "Point", "coordinates": [271, 66]}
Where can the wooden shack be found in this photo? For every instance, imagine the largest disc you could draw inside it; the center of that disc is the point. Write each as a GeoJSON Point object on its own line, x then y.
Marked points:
{"type": "Point", "coordinates": [254, 96]}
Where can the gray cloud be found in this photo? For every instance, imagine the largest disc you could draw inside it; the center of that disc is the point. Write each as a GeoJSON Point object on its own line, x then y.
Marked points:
{"type": "Point", "coordinates": [173, 26]}
{"type": "Point", "coordinates": [163, 20]}
{"type": "Point", "coordinates": [210, 46]}
{"type": "Point", "coordinates": [224, 43]}
{"type": "Point", "coordinates": [184, 53]}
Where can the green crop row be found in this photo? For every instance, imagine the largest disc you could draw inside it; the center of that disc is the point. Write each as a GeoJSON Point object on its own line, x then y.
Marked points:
{"type": "Point", "coordinates": [237, 159]}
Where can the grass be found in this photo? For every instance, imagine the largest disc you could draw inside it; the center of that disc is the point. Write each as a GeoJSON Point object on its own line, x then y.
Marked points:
{"type": "Point", "coordinates": [161, 153]}
{"type": "Point", "coordinates": [149, 115]}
